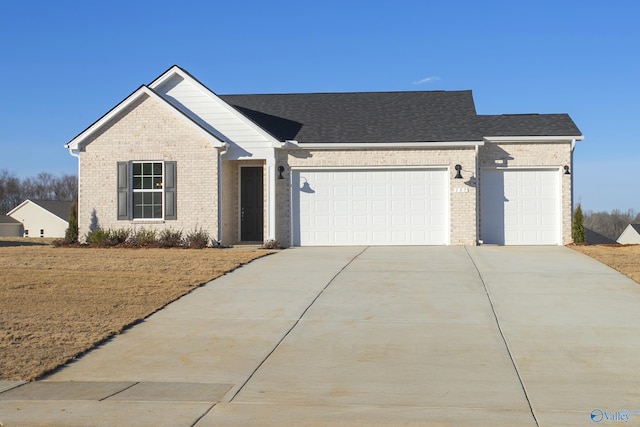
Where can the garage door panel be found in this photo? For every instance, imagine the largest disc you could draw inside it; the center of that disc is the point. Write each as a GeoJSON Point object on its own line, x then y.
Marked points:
{"type": "Point", "coordinates": [520, 207]}
{"type": "Point", "coordinates": [401, 207]}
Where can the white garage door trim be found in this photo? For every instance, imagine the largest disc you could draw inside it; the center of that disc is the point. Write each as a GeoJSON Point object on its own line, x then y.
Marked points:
{"type": "Point", "coordinates": [521, 206]}
{"type": "Point", "coordinates": [370, 206]}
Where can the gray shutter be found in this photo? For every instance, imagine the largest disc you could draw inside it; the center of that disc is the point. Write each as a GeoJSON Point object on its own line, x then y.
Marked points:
{"type": "Point", "coordinates": [170, 201]}
{"type": "Point", "coordinates": [123, 191]}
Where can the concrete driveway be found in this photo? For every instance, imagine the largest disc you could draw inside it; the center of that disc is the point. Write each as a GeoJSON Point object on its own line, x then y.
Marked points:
{"type": "Point", "coordinates": [370, 336]}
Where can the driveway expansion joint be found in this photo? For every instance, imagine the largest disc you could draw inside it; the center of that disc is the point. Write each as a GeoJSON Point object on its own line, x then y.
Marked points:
{"type": "Point", "coordinates": [296, 322]}
{"type": "Point", "coordinates": [504, 339]}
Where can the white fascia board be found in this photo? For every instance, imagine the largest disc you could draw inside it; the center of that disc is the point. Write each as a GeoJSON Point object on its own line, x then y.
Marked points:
{"type": "Point", "coordinates": [18, 207]}
{"type": "Point", "coordinates": [141, 91]}
{"type": "Point", "coordinates": [525, 139]}
{"type": "Point", "coordinates": [175, 70]}
{"type": "Point", "coordinates": [380, 145]}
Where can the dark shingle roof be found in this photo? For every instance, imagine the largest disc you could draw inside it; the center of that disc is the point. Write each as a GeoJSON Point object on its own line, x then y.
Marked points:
{"type": "Point", "coordinates": [387, 117]}
{"type": "Point", "coordinates": [528, 125]}
{"type": "Point", "coordinates": [594, 238]}
{"type": "Point", "coordinates": [58, 208]}
{"type": "Point", "coordinates": [5, 219]}
{"type": "Point", "coordinates": [363, 116]}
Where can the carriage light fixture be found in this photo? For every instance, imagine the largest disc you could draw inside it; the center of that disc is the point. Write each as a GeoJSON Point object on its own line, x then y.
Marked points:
{"type": "Point", "coordinates": [458, 174]}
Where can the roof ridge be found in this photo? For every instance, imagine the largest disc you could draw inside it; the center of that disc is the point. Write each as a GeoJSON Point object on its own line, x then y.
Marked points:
{"type": "Point", "coordinates": [347, 93]}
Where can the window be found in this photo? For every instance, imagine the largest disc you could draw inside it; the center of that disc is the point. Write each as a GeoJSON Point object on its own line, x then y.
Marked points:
{"type": "Point", "coordinates": [146, 190]}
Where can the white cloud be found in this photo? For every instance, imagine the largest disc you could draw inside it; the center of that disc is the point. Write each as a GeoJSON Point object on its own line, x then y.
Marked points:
{"type": "Point", "coordinates": [426, 80]}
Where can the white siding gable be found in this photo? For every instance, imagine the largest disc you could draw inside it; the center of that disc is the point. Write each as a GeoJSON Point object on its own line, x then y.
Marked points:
{"type": "Point", "coordinates": [629, 236]}
{"type": "Point", "coordinates": [246, 139]}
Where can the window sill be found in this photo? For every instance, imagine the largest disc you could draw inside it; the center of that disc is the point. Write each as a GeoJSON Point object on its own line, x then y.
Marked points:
{"type": "Point", "coordinates": [147, 221]}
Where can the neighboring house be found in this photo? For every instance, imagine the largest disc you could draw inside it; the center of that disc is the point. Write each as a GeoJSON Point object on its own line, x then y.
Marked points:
{"type": "Point", "coordinates": [375, 168]}
{"type": "Point", "coordinates": [9, 227]}
{"type": "Point", "coordinates": [630, 235]}
{"type": "Point", "coordinates": [594, 238]}
{"type": "Point", "coordinates": [42, 218]}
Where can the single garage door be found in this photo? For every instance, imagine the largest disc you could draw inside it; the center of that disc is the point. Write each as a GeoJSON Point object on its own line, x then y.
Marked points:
{"type": "Point", "coordinates": [370, 207]}
{"type": "Point", "coordinates": [520, 207]}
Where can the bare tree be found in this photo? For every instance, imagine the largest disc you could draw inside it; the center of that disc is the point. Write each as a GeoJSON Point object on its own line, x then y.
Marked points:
{"type": "Point", "coordinates": [610, 224]}
{"type": "Point", "coordinates": [44, 186]}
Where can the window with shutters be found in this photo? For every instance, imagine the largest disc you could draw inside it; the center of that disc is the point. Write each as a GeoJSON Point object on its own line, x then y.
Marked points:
{"type": "Point", "coordinates": [147, 190]}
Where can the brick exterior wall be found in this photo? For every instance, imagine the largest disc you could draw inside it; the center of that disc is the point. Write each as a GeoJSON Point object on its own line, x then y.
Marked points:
{"type": "Point", "coordinates": [462, 203]}
{"type": "Point", "coordinates": [149, 131]}
{"type": "Point", "coordinates": [553, 155]}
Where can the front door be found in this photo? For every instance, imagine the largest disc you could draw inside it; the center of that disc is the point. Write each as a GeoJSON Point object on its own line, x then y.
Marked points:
{"type": "Point", "coordinates": [251, 204]}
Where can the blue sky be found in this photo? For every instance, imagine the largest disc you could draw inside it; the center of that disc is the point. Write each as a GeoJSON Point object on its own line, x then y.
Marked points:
{"type": "Point", "coordinates": [64, 64]}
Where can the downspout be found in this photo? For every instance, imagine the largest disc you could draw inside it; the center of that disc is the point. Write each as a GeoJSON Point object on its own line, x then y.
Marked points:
{"type": "Point", "coordinates": [221, 152]}
{"type": "Point", "coordinates": [573, 146]}
{"type": "Point", "coordinates": [478, 213]}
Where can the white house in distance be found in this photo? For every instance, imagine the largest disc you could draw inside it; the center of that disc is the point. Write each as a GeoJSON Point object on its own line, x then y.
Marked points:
{"type": "Point", "coordinates": [630, 235]}
{"type": "Point", "coordinates": [42, 218]}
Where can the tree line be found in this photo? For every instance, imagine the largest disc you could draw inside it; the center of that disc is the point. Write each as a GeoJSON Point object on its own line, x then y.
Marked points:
{"type": "Point", "coordinates": [610, 224]}
{"type": "Point", "coordinates": [43, 186]}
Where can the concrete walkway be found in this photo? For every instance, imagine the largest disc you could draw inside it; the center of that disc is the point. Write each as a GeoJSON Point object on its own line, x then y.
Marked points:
{"type": "Point", "coordinates": [499, 336]}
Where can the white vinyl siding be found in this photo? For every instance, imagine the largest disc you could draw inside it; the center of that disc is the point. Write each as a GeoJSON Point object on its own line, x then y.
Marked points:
{"type": "Point", "coordinates": [520, 207]}
{"type": "Point", "coordinates": [370, 207]}
{"type": "Point", "coordinates": [211, 112]}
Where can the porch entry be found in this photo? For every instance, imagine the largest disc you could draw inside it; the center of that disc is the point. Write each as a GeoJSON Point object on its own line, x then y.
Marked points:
{"type": "Point", "coordinates": [251, 204]}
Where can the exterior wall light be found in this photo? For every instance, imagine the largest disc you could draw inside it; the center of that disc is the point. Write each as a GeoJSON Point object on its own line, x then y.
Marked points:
{"type": "Point", "coordinates": [458, 174]}
{"type": "Point", "coordinates": [280, 170]}
{"type": "Point", "coordinates": [567, 171]}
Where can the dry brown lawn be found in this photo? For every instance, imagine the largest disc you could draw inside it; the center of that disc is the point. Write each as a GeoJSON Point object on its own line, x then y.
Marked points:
{"type": "Point", "coordinates": [56, 303]}
{"type": "Point", "coordinates": [624, 258]}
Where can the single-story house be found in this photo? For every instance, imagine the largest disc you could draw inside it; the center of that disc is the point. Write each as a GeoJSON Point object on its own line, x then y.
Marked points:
{"type": "Point", "coordinates": [10, 227]}
{"type": "Point", "coordinates": [373, 168]}
{"type": "Point", "coordinates": [42, 218]}
{"type": "Point", "coordinates": [630, 235]}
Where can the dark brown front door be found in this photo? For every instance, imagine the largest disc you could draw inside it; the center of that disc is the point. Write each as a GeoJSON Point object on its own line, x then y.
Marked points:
{"type": "Point", "coordinates": [251, 204]}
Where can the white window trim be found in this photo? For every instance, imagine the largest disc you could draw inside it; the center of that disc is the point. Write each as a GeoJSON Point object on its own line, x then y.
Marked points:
{"type": "Point", "coordinates": [152, 190]}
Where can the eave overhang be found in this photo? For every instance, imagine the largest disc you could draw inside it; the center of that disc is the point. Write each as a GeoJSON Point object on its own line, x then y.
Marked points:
{"type": "Point", "coordinates": [75, 144]}
{"type": "Point", "coordinates": [295, 145]}
{"type": "Point", "coordinates": [530, 139]}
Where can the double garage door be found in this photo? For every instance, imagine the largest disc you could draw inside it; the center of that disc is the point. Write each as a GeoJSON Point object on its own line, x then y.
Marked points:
{"type": "Point", "coordinates": [370, 207]}
{"type": "Point", "coordinates": [411, 207]}
{"type": "Point", "coordinates": [520, 207]}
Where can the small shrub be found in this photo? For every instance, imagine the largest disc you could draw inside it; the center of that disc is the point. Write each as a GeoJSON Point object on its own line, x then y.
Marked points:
{"type": "Point", "coordinates": [109, 237]}
{"type": "Point", "coordinates": [170, 239]}
{"type": "Point", "coordinates": [119, 236]}
{"type": "Point", "coordinates": [96, 237]}
{"type": "Point", "coordinates": [198, 239]}
{"type": "Point", "coordinates": [577, 228]}
{"type": "Point", "coordinates": [71, 233]}
{"type": "Point", "coordinates": [144, 237]}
